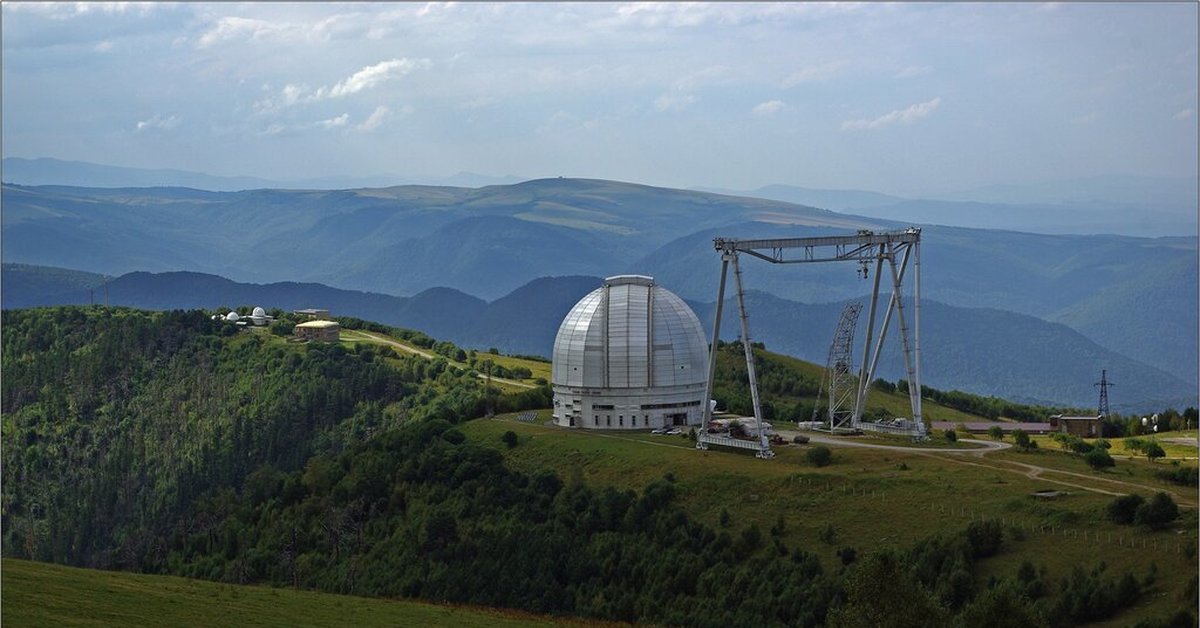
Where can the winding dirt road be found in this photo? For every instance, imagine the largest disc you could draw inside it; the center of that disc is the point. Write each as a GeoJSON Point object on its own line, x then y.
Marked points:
{"type": "Point", "coordinates": [1031, 471]}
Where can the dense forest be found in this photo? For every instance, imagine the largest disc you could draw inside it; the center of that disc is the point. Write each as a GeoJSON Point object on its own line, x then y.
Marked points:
{"type": "Point", "coordinates": [168, 443]}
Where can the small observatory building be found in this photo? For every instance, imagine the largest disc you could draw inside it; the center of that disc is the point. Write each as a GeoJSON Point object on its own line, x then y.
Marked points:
{"type": "Point", "coordinates": [629, 355]}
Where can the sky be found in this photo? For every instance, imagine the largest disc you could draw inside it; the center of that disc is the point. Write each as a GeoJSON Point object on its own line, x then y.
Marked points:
{"type": "Point", "coordinates": [907, 99]}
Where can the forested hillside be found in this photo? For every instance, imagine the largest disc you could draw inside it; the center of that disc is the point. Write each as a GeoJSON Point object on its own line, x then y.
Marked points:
{"type": "Point", "coordinates": [116, 421]}
{"type": "Point", "coordinates": [164, 442]}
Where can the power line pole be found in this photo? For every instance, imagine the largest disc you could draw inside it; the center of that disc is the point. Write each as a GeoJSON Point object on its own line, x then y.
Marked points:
{"type": "Point", "coordinates": [1104, 385]}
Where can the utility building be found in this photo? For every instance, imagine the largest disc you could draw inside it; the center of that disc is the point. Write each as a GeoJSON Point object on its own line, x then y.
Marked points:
{"type": "Point", "coordinates": [629, 355]}
{"type": "Point", "coordinates": [321, 331]}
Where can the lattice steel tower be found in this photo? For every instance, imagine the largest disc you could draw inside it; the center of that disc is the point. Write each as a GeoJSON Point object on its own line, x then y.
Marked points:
{"type": "Point", "coordinates": [839, 369]}
{"type": "Point", "coordinates": [1104, 385]}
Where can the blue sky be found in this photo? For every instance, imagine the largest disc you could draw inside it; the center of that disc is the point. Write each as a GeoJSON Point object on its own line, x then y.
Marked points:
{"type": "Point", "coordinates": [901, 98]}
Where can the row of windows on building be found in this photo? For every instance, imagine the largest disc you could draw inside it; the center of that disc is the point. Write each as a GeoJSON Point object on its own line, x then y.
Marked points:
{"type": "Point", "coordinates": [633, 420]}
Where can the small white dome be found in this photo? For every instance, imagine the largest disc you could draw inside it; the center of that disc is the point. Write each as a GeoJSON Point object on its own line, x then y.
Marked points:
{"type": "Point", "coordinates": [232, 316]}
{"type": "Point", "coordinates": [259, 313]}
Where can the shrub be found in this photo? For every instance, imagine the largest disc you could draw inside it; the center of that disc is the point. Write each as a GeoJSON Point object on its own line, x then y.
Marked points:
{"type": "Point", "coordinates": [1122, 509]}
{"type": "Point", "coordinates": [819, 456]}
{"type": "Point", "coordinates": [1098, 459]}
{"type": "Point", "coordinates": [1154, 451]}
{"type": "Point", "coordinates": [951, 435]}
{"type": "Point", "coordinates": [984, 537]}
{"type": "Point", "coordinates": [1021, 439]}
{"type": "Point", "coordinates": [1183, 476]}
{"type": "Point", "coordinates": [509, 438]}
{"type": "Point", "coordinates": [800, 439]}
{"type": "Point", "coordinates": [1157, 513]}
{"type": "Point", "coordinates": [996, 433]}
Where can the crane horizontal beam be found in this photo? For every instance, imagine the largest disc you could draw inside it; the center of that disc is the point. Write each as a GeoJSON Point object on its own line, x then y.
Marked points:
{"type": "Point", "coordinates": [861, 246]}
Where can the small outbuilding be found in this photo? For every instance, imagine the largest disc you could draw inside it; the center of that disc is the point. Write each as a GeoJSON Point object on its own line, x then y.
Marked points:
{"type": "Point", "coordinates": [1081, 426]}
{"type": "Point", "coordinates": [319, 331]}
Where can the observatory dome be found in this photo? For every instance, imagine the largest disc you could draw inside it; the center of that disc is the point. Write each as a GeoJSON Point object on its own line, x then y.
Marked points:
{"type": "Point", "coordinates": [629, 355]}
{"type": "Point", "coordinates": [259, 313]}
{"type": "Point", "coordinates": [232, 317]}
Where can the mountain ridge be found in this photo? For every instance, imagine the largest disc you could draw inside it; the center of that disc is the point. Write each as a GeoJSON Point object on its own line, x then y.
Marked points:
{"type": "Point", "coordinates": [526, 320]}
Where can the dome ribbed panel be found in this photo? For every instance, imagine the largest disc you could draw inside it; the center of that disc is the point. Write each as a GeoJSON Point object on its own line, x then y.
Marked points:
{"type": "Point", "coordinates": [568, 366]}
{"type": "Point", "coordinates": [623, 337]}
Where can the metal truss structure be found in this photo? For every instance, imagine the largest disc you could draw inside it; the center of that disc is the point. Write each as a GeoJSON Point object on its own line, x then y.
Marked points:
{"type": "Point", "coordinates": [897, 248]}
{"type": "Point", "coordinates": [840, 381]}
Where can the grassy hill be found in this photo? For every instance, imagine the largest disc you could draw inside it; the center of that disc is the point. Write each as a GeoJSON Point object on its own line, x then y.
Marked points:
{"type": "Point", "coordinates": [185, 446]}
{"type": "Point", "coordinates": [42, 594]}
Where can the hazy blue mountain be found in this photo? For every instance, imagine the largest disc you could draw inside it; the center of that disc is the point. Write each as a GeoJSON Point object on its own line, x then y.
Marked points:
{"type": "Point", "coordinates": [491, 240]}
{"type": "Point", "coordinates": [985, 351]}
{"type": "Point", "coordinates": [1174, 194]}
{"type": "Point", "coordinates": [837, 200]}
{"type": "Point", "coordinates": [1136, 207]}
{"type": "Point", "coordinates": [49, 171]}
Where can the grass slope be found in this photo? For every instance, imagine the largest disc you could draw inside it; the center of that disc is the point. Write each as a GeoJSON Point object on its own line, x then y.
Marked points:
{"type": "Point", "coordinates": [41, 594]}
{"type": "Point", "coordinates": [874, 499]}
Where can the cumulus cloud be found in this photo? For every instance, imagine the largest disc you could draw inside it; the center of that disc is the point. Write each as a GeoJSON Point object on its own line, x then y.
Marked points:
{"type": "Point", "coordinates": [1184, 114]}
{"type": "Point", "coordinates": [376, 118]}
{"type": "Point", "coordinates": [769, 108]}
{"type": "Point", "coordinates": [913, 71]}
{"type": "Point", "coordinates": [235, 27]}
{"type": "Point", "coordinates": [1087, 118]}
{"type": "Point", "coordinates": [898, 116]}
{"type": "Point", "coordinates": [333, 123]}
{"type": "Point", "coordinates": [372, 75]}
{"type": "Point", "coordinates": [158, 122]}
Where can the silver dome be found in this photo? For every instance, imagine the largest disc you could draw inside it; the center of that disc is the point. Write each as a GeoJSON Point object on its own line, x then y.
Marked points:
{"type": "Point", "coordinates": [630, 347]}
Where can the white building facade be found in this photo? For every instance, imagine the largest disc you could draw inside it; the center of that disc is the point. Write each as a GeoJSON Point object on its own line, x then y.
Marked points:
{"type": "Point", "coordinates": [629, 355]}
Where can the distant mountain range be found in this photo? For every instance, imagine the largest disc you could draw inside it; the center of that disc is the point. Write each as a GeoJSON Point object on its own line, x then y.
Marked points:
{"type": "Point", "coordinates": [1133, 296]}
{"type": "Point", "coordinates": [985, 351]}
{"type": "Point", "coordinates": [48, 171]}
{"type": "Point", "coordinates": [1133, 206]}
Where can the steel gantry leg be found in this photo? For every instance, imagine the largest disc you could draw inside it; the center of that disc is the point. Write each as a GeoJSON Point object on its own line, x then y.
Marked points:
{"type": "Point", "coordinates": [737, 282]}
{"type": "Point", "coordinates": [861, 398]}
{"type": "Point", "coordinates": [706, 413]}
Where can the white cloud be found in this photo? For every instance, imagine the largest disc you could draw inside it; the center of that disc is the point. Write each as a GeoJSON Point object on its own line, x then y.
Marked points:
{"type": "Point", "coordinates": [372, 75]}
{"type": "Point", "coordinates": [914, 71]}
{"type": "Point", "coordinates": [333, 123]}
{"type": "Point", "coordinates": [158, 122]}
{"type": "Point", "coordinates": [1184, 114]}
{"type": "Point", "coordinates": [376, 118]}
{"type": "Point", "coordinates": [234, 27]}
{"type": "Point", "coordinates": [104, 46]}
{"type": "Point", "coordinates": [1087, 118]}
{"type": "Point", "coordinates": [822, 72]}
{"type": "Point", "coordinates": [291, 93]}
{"type": "Point", "coordinates": [769, 108]}
{"type": "Point", "coordinates": [902, 116]}
{"type": "Point", "coordinates": [673, 102]}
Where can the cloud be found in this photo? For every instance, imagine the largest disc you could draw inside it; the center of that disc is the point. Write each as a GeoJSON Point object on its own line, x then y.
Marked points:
{"type": "Point", "coordinates": [1087, 118]}
{"type": "Point", "coordinates": [333, 123]}
{"type": "Point", "coordinates": [1185, 114]}
{"type": "Point", "coordinates": [234, 27]}
{"type": "Point", "coordinates": [370, 76]}
{"type": "Point", "coordinates": [673, 102]}
{"type": "Point", "coordinates": [376, 118]}
{"type": "Point", "coordinates": [914, 71]}
{"type": "Point", "coordinates": [158, 122]}
{"type": "Point", "coordinates": [769, 108]}
{"type": "Point", "coordinates": [902, 116]}
{"type": "Point", "coordinates": [822, 72]}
